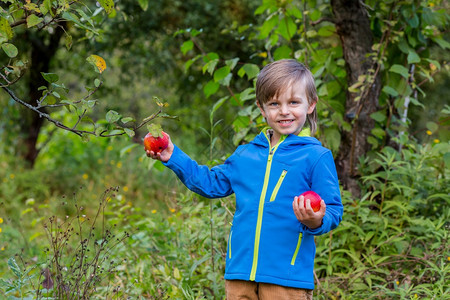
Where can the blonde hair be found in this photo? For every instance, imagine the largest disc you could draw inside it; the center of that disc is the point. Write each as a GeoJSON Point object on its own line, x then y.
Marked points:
{"type": "Point", "coordinates": [277, 76]}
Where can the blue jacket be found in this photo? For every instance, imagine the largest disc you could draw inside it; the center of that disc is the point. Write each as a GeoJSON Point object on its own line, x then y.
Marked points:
{"type": "Point", "coordinates": [266, 242]}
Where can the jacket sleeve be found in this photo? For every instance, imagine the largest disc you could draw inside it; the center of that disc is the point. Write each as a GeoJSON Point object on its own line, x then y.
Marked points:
{"type": "Point", "coordinates": [210, 183]}
{"type": "Point", "coordinates": [324, 181]}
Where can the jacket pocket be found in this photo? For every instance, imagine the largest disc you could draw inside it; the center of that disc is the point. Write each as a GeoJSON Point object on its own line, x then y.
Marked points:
{"type": "Point", "coordinates": [277, 186]}
{"type": "Point", "coordinates": [299, 243]}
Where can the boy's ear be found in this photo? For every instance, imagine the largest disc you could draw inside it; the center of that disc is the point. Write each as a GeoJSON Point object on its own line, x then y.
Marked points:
{"type": "Point", "coordinates": [260, 108]}
{"type": "Point", "coordinates": [311, 107]}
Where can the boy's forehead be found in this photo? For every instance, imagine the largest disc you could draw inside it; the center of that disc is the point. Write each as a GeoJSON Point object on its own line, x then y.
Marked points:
{"type": "Point", "coordinates": [293, 88]}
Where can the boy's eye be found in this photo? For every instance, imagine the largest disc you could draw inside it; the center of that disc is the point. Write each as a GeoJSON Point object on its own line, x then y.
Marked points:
{"type": "Point", "coordinates": [273, 104]}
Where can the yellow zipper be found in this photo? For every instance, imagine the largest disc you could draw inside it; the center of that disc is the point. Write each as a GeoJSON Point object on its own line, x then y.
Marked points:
{"type": "Point", "coordinates": [277, 187]}
{"type": "Point", "coordinates": [229, 245]}
{"type": "Point", "coordinates": [261, 207]}
{"type": "Point", "coordinates": [299, 243]}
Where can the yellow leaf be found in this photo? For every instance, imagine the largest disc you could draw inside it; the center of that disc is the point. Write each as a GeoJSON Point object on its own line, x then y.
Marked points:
{"type": "Point", "coordinates": [5, 29]}
{"type": "Point", "coordinates": [98, 62]}
{"type": "Point", "coordinates": [108, 5]}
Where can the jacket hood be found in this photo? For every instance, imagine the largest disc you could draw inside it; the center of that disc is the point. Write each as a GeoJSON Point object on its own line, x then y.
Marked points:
{"type": "Point", "coordinates": [262, 139]}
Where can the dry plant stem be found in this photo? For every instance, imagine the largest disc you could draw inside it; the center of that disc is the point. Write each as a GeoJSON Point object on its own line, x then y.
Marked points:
{"type": "Point", "coordinates": [317, 279]}
{"type": "Point", "coordinates": [79, 278]}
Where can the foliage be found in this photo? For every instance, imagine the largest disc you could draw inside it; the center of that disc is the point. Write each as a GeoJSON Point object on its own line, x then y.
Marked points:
{"type": "Point", "coordinates": [44, 19]}
{"type": "Point", "coordinates": [79, 257]}
{"type": "Point", "coordinates": [308, 34]}
{"type": "Point", "coordinates": [393, 243]}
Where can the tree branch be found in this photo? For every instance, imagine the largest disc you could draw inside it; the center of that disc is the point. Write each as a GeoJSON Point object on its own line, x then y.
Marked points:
{"type": "Point", "coordinates": [73, 129]}
{"type": "Point", "coordinates": [41, 114]}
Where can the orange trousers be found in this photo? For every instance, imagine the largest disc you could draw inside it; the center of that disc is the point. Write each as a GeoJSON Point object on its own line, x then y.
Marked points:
{"type": "Point", "coordinates": [250, 290]}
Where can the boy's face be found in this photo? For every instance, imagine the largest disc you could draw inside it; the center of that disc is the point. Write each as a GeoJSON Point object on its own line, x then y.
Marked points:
{"type": "Point", "coordinates": [286, 114]}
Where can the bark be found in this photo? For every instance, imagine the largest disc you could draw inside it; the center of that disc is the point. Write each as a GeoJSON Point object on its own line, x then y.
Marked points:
{"type": "Point", "coordinates": [42, 52]}
{"type": "Point", "coordinates": [353, 27]}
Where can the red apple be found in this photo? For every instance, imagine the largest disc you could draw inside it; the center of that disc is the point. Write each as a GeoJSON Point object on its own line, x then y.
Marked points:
{"type": "Point", "coordinates": [314, 199]}
{"type": "Point", "coordinates": [156, 143]}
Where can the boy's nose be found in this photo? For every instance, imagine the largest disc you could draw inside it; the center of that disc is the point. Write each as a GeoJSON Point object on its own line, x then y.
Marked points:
{"type": "Point", "coordinates": [284, 109]}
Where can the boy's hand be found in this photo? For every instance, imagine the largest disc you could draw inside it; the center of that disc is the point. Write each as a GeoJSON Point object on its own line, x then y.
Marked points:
{"type": "Point", "coordinates": [306, 215]}
{"type": "Point", "coordinates": [164, 155]}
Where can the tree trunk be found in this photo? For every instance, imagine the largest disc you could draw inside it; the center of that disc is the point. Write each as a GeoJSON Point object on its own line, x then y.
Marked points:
{"type": "Point", "coordinates": [353, 27]}
{"type": "Point", "coordinates": [41, 54]}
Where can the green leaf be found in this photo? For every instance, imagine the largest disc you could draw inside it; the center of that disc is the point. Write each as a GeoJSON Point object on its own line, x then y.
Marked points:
{"type": "Point", "coordinates": [282, 52]}
{"type": "Point", "coordinates": [287, 28]}
{"type": "Point", "coordinates": [129, 132]}
{"type": "Point", "coordinates": [226, 81]}
{"type": "Point", "coordinates": [166, 116]}
{"type": "Point", "coordinates": [50, 77]}
{"type": "Point", "coordinates": [413, 21]}
{"type": "Point", "coordinates": [85, 16]}
{"type": "Point", "coordinates": [33, 20]}
{"type": "Point", "coordinates": [416, 102]}
{"type": "Point", "coordinates": [435, 63]}
{"type": "Point", "coordinates": [56, 94]}
{"type": "Point", "coordinates": [47, 6]}
{"type": "Point", "coordinates": [210, 56]}
{"type": "Point", "coordinates": [315, 15]}
{"type": "Point", "coordinates": [325, 31]}
{"type": "Point", "coordinates": [251, 70]}
{"type": "Point", "coordinates": [112, 116]}
{"type": "Point", "coordinates": [68, 41]}
{"type": "Point", "coordinates": [108, 5]}
{"type": "Point", "coordinates": [50, 99]}
{"type": "Point", "coordinates": [295, 12]}
{"type": "Point", "coordinates": [378, 116]}
{"type": "Point", "coordinates": [413, 57]}
{"type": "Point", "coordinates": [217, 105]}
{"type": "Point", "coordinates": [221, 73]}
{"type": "Point", "coordinates": [143, 4]}
{"type": "Point", "coordinates": [248, 94]}
{"type": "Point", "coordinates": [10, 49]}
{"type": "Point", "coordinates": [333, 88]}
{"type": "Point", "coordinates": [267, 26]}
{"type": "Point", "coordinates": [432, 126]}
{"type": "Point", "coordinates": [232, 62]}
{"type": "Point", "coordinates": [127, 149]}
{"type": "Point", "coordinates": [97, 82]}
{"type": "Point", "coordinates": [85, 138]}
{"type": "Point", "coordinates": [127, 119]}
{"type": "Point", "coordinates": [210, 88]}
{"type": "Point", "coordinates": [210, 66]}
{"type": "Point", "coordinates": [447, 159]}
{"type": "Point", "coordinates": [187, 46]}
{"type": "Point", "coordinates": [333, 138]}
{"type": "Point", "coordinates": [158, 165]}
{"type": "Point", "coordinates": [441, 42]}
{"type": "Point", "coordinates": [378, 132]}
{"type": "Point", "coordinates": [399, 69]}
{"type": "Point", "coordinates": [73, 18]}
{"type": "Point", "coordinates": [90, 103]}
{"type": "Point", "coordinates": [14, 267]}
{"type": "Point", "coordinates": [390, 91]}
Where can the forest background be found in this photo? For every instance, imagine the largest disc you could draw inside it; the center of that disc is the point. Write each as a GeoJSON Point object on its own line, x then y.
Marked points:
{"type": "Point", "coordinates": [85, 214]}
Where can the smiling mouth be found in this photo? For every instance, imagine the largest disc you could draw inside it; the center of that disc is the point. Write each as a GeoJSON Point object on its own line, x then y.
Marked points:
{"type": "Point", "coordinates": [285, 122]}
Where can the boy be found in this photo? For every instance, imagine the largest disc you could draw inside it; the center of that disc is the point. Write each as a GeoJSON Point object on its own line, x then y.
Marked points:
{"type": "Point", "coordinates": [271, 245]}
